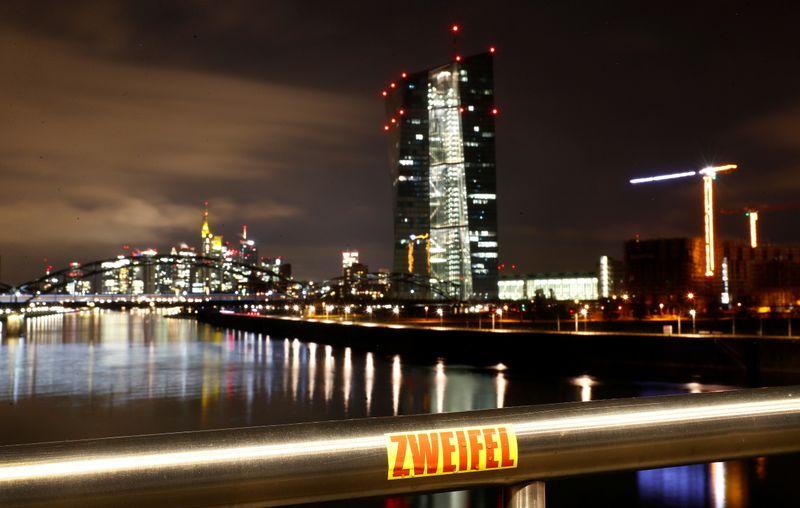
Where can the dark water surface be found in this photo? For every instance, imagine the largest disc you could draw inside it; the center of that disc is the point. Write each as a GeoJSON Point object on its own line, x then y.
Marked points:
{"type": "Point", "coordinates": [98, 374]}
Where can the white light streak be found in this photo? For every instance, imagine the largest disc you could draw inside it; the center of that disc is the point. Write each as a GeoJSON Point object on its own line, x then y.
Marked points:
{"type": "Point", "coordinates": [151, 461]}
{"type": "Point", "coordinates": [663, 177]}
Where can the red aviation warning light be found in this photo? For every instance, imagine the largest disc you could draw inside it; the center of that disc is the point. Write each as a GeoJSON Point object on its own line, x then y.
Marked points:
{"type": "Point", "coordinates": [386, 127]}
{"type": "Point", "coordinates": [492, 49]}
{"type": "Point", "coordinates": [384, 93]}
{"type": "Point", "coordinates": [402, 112]}
{"type": "Point", "coordinates": [495, 111]}
{"type": "Point", "coordinates": [392, 85]}
{"type": "Point", "coordinates": [404, 75]}
{"type": "Point", "coordinates": [454, 30]}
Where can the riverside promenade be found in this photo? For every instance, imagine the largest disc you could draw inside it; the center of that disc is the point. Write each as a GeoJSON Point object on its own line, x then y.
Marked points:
{"type": "Point", "coordinates": [748, 360]}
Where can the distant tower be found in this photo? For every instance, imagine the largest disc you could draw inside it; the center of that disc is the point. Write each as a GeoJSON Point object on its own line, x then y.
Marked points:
{"type": "Point", "coordinates": [441, 127]}
{"type": "Point", "coordinates": [247, 249]}
{"type": "Point", "coordinates": [206, 237]}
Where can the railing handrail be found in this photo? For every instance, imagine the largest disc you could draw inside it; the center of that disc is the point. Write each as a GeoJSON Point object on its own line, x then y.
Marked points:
{"type": "Point", "coordinates": [287, 464]}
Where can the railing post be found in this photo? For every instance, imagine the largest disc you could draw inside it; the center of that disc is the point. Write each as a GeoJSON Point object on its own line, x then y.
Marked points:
{"type": "Point", "coordinates": [525, 495]}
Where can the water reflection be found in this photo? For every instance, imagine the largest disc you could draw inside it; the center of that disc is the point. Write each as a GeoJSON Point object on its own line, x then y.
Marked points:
{"type": "Point", "coordinates": [585, 383]}
{"type": "Point", "coordinates": [716, 485]}
{"type": "Point", "coordinates": [501, 384]}
{"type": "Point", "coordinates": [440, 383]}
{"type": "Point", "coordinates": [329, 370]}
{"type": "Point", "coordinates": [102, 374]}
{"type": "Point", "coordinates": [312, 369]}
{"type": "Point", "coordinates": [347, 375]}
{"type": "Point", "coordinates": [397, 380]}
{"type": "Point", "coordinates": [369, 380]}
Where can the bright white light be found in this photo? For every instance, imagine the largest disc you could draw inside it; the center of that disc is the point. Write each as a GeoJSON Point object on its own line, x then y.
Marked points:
{"type": "Point", "coordinates": [663, 177]}
{"type": "Point", "coordinates": [713, 170]}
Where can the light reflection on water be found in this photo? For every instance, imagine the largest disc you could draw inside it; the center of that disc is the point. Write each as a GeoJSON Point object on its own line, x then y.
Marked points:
{"type": "Point", "coordinates": [127, 357]}
{"type": "Point", "coordinates": [105, 373]}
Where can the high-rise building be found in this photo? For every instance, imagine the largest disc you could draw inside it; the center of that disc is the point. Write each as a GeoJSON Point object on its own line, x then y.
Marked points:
{"type": "Point", "coordinates": [206, 237]}
{"type": "Point", "coordinates": [441, 129]}
{"type": "Point", "coordinates": [248, 253]}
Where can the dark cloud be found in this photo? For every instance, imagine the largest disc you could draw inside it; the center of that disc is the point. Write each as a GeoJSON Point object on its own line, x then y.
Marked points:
{"type": "Point", "coordinates": [107, 153]}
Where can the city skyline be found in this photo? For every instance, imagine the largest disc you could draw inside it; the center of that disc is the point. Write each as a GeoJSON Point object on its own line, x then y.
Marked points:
{"type": "Point", "coordinates": [123, 117]}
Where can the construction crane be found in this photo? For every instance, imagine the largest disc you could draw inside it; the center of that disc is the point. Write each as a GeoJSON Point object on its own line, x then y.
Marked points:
{"type": "Point", "coordinates": [709, 174]}
{"type": "Point", "coordinates": [751, 212]}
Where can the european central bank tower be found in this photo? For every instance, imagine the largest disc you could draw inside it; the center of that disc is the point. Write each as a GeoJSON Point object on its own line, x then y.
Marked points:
{"type": "Point", "coordinates": [440, 125]}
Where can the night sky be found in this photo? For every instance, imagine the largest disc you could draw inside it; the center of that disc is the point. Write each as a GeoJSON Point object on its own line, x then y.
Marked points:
{"type": "Point", "coordinates": [118, 119]}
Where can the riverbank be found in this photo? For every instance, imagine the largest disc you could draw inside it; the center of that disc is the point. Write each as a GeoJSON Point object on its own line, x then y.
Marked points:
{"type": "Point", "coordinates": [746, 360]}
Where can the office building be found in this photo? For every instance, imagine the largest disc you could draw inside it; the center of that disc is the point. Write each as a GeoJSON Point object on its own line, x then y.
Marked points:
{"type": "Point", "coordinates": [553, 286]}
{"type": "Point", "coordinates": [441, 129]}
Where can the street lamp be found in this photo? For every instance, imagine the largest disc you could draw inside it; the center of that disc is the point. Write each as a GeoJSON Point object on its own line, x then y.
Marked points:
{"type": "Point", "coordinates": [693, 313]}
{"type": "Point", "coordinates": [585, 314]}
{"type": "Point", "coordinates": [396, 312]}
{"type": "Point", "coordinates": [440, 312]}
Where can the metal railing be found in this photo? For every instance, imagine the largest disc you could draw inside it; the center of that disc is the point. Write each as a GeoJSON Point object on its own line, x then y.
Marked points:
{"type": "Point", "coordinates": [517, 448]}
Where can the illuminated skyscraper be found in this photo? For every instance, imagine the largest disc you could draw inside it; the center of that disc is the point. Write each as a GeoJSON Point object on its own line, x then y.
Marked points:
{"type": "Point", "coordinates": [248, 253]}
{"type": "Point", "coordinates": [206, 237]}
{"type": "Point", "coordinates": [441, 128]}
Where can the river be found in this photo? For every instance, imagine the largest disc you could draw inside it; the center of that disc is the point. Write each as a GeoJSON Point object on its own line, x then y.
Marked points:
{"type": "Point", "coordinates": [98, 373]}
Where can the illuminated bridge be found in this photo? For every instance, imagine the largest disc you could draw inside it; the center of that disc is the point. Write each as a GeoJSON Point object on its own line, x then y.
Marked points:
{"type": "Point", "coordinates": [194, 280]}
{"type": "Point", "coordinates": [162, 279]}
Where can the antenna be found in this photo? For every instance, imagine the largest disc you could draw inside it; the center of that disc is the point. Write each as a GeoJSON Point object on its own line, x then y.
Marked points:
{"type": "Point", "coordinates": [454, 29]}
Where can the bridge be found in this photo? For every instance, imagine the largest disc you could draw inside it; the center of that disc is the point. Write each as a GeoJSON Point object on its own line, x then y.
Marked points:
{"type": "Point", "coordinates": [191, 280]}
{"type": "Point", "coordinates": [164, 279]}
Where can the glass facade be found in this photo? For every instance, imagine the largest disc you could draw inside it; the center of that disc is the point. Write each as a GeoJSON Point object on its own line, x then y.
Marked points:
{"type": "Point", "coordinates": [440, 124]}
{"type": "Point", "coordinates": [559, 287]}
{"type": "Point", "coordinates": [450, 254]}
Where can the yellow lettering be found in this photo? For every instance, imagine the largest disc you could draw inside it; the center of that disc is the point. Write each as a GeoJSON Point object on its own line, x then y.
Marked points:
{"type": "Point", "coordinates": [491, 444]}
{"type": "Point", "coordinates": [424, 452]}
{"type": "Point", "coordinates": [433, 452]}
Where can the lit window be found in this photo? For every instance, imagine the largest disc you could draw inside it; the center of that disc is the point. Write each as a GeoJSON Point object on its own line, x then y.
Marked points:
{"type": "Point", "coordinates": [419, 137]}
{"type": "Point", "coordinates": [470, 108]}
{"type": "Point", "coordinates": [476, 129]}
